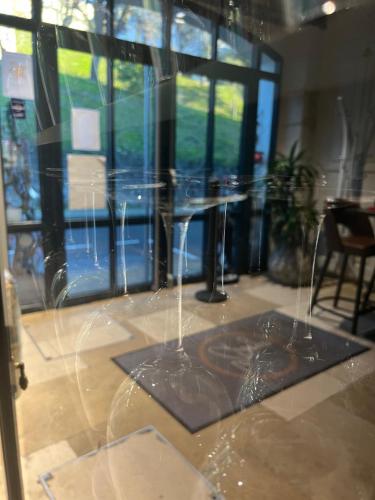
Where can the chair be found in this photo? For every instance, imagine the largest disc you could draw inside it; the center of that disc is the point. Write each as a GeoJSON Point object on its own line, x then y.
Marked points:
{"type": "Point", "coordinates": [359, 242]}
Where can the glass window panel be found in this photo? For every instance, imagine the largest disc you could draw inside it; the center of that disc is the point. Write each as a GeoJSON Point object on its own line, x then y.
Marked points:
{"type": "Point", "coordinates": [18, 142]}
{"type": "Point", "coordinates": [85, 15]}
{"type": "Point", "coordinates": [266, 98]}
{"type": "Point", "coordinates": [134, 111]}
{"type": "Point", "coordinates": [19, 8]}
{"type": "Point", "coordinates": [234, 49]}
{"type": "Point", "coordinates": [268, 64]}
{"type": "Point", "coordinates": [229, 106]}
{"type": "Point", "coordinates": [191, 127]}
{"type": "Point", "coordinates": [82, 84]}
{"type": "Point", "coordinates": [138, 247]}
{"type": "Point", "coordinates": [193, 251]}
{"type": "Point", "coordinates": [87, 257]}
{"type": "Point", "coordinates": [191, 34]}
{"type": "Point", "coordinates": [26, 263]}
{"type": "Point", "coordinates": [138, 21]}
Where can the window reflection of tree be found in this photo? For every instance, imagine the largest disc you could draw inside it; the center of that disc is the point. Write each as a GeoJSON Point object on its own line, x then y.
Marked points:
{"type": "Point", "coordinates": [20, 193]}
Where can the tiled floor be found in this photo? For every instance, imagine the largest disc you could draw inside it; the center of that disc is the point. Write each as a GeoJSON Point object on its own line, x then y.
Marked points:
{"type": "Point", "coordinates": [315, 440]}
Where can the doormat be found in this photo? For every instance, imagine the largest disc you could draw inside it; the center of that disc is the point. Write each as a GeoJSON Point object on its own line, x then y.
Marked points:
{"type": "Point", "coordinates": [141, 466]}
{"type": "Point", "coordinates": [228, 368]}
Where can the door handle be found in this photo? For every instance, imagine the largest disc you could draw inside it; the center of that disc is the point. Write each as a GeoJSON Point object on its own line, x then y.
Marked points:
{"type": "Point", "coordinates": [23, 380]}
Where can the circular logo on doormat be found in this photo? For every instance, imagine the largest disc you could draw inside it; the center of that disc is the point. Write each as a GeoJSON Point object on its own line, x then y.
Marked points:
{"type": "Point", "coordinates": [234, 353]}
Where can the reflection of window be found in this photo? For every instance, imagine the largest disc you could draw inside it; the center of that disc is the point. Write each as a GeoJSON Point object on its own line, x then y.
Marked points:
{"type": "Point", "coordinates": [266, 98]}
{"type": "Point", "coordinates": [19, 150]}
{"type": "Point", "coordinates": [86, 15]}
{"type": "Point", "coordinates": [234, 49]}
{"type": "Point", "coordinates": [138, 21]}
{"type": "Point", "coordinates": [191, 34]}
{"type": "Point", "coordinates": [26, 263]}
{"type": "Point", "coordinates": [268, 64]}
{"type": "Point", "coordinates": [134, 251]}
{"type": "Point", "coordinates": [193, 251]}
{"type": "Point", "coordinates": [19, 8]}
{"type": "Point", "coordinates": [87, 257]}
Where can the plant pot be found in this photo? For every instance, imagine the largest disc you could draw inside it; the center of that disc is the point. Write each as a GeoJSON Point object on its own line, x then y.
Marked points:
{"type": "Point", "coordinates": [290, 266]}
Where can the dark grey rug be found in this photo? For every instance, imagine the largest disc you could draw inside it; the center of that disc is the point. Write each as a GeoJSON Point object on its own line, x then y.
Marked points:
{"type": "Point", "coordinates": [233, 366]}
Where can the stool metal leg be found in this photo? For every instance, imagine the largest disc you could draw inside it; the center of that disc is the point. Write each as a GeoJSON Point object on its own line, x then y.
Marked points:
{"type": "Point", "coordinates": [341, 279]}
{"type": "Point", "coordinates": [369, 290]}
{"type": "Point", "coordinates": [358, 295]}
{"type": "Point", "coordinates": [320, 280]}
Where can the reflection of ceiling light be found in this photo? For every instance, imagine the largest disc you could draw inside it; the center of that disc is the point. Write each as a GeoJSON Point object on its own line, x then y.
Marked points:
{"type": "Point", "coordinates": [180, 17]}
{"type": "Point", "coordinates": [329, 8]}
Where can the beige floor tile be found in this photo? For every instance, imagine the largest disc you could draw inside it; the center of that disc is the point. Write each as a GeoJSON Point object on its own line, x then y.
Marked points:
{"type": "Point", "coordinates": [231, 310]}
{"type": "Point", "coordinates": [346, 443]}
{"type": "Point", "coordinates": [301, 397]}
{"type": "Point", "coordinates": [67, 336]}
{"type": "Point", "coordinates": [35, 464]}
{"type": "Point", "coordinates": [162, 325]}
{"type": "Point", "coordinates": [141, 466]}
{"type": "Point", "coordinates": [38, 369]}
{"type": "Point", "coordinates": [291, 458]}
{"type": "Point", "coordinates": [354, 368]}
{"type": "Point", "coordinates": [278, 294]}
{"type": "Point", "coordinates": [359, 398]}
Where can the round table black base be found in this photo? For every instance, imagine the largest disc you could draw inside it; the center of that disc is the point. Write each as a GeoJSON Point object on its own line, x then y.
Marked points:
{"type": "Point", "coordinates": [211, 296]}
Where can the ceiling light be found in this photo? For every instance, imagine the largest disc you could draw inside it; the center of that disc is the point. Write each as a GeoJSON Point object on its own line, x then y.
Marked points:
{"type": "Point", "coordinates": [329, 8]}
{"type": "Point", "coordinates": [180, 14]}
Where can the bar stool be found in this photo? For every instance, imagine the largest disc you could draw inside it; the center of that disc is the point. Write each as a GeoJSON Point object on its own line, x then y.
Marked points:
{"type": "Point", "coordinates": [360, 242]}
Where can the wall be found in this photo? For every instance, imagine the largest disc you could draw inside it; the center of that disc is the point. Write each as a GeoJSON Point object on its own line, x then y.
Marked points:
{"type": "Point", "coordinates": [322, 62]}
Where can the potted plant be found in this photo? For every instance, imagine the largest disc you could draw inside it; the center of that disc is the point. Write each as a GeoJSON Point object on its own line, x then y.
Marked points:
{"type": "Point", "coordinates": [290, 197]}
